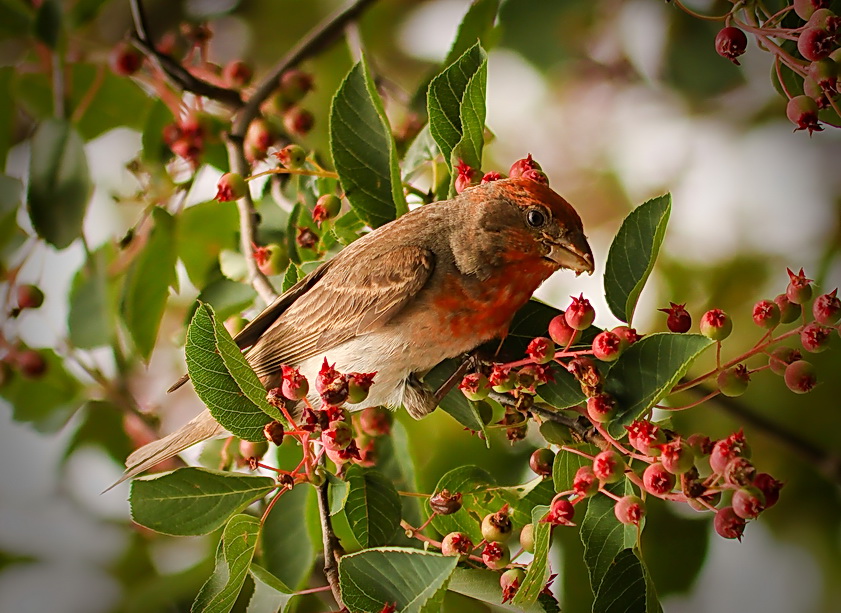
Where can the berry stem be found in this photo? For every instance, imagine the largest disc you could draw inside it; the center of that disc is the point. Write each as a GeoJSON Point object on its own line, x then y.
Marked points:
{"type": "Point", "coordinates": [689, 11]}
{"type": "Point", "coordinates": [578, 452]}
{"type": "Point", "coordinates": [295, 171]}
{"type": "Point", "coordinates": [600, 429]}
{"type": "Point", "coordinates": [709, 396]}
{"type": "Point", "coordinates": [271, 504]}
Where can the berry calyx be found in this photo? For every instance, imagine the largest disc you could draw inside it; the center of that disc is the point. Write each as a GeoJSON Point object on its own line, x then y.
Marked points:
{"type": "Point", "coordinates": [274, 432]}
{"type": "Point", "coordinates": [629, 510]}
{"type": "Point", "coordinates": [627, 335]}
{"type": "Point", "coordinates": [766, 314]}
{"type": "Point", "coordinates": [826, 309]}
{"type": "Point", "coordinates": [800, 377]}
{"type": "Point", "coordinates": [748, 502]}
{"type": "Point", "coordinates": [29, 296]}
{"type": "Point", "coordinates": [444, 502]}
{"type": "Point", "coordinates": [733, 381]}
{"type": "Point", "coordinates": [497, 527]}
{"type": "Point", "coordinates": [358, 385]}
{"type": "Point", "coordinates": [657, 480]}
{"type": "Point", "coordinates": [125, 59]}
{"type": "Point", "coordinates": [561, 332]}
{"type": "Point", "coordinates": [789, 311]}
{"type": "Point", "coordinates": [726, 450]}
{"type": "Point", "coordinates": [607, 346]}
{"type": "Point", "coordinates": [496, 556]}
{"type": "Point", "coordinates": [502, 379]}
{"type": "Point", "coordinates": [291, 156]}
{"type": "Point", "coordinates": [295, 385]}
{"type": "Point", "coordinates": [730, 43]}
{"type": "Point", "coordinates": [802, 111]}
{"type": "Point", "coordinates": [465, 177]}
{"type": "Point", "coordinates": [522, 165]}
{"type": "Point", "coordinates": [541, 350]}
{"type": "Point", "coordinates": [475, 386]}
{"type": "Point", "coordinates": [815, 44]}
{"type": "Point", "coordinates": [799, 289]}
{"type": "Point", "coordinates": [729, 525]}
{"type": "Point", "coordinates": [608, 466]}
{"type": "Point", "coordinates": [536, 175]}
{"type": "Point", "coordinates": [815, 338]}
{"type": "Point", "coordinates": [338, 436]}
{"type": "Point", "coordinates": [272, 259]}
{"type": "Point", "coordinates": [781, 357]}
{"type": "Point", "coordinates": [510, 582]}
{"type": "Point", "coordinates": [491, 176]}
{"type": "Point", "coordinates": [580, 314]}
{"type": "Point", "coordinates": [769, 487]}
{"type": "Point", "coordinates": [601, 408]}
{"type": "Point", "coordinates": [541, 461]}
{"type": "Point", "coordinates": [585, 483]}
{"type": "Point", "coordinates": [739, 471]}
{"type": "Point", "coordinates": [676, 456]}
{"type": "Point", "coordinates": [825, 73]}
{"type": "Point", "coordinates": [457, 544]}
{"type": "Point", "coordinates": [679, 319]}
{"type": "Point", "coordinates": [326, 207]}
{"type": "Point", "coordinates": [645, 437]}
{"type": "Point", "coordinates": [716, 325]}
{"type": "Point", "coordinates": [231, 186]}
{"type": "Point", "coordinates": [806, 8]}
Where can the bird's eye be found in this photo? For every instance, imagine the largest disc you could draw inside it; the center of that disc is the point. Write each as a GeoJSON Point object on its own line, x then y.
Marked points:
{"type": "Point", "coordinates": [536, 218]}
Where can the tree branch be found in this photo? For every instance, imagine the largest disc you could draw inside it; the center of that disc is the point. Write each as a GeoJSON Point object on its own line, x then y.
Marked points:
{"type": "Point", "coordinates": [332, 548]}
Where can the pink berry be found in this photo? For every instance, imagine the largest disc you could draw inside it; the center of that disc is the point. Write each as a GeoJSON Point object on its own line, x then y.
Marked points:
{"type": "Point", "coordinates": [789, 311]}
{"type": "Point", "coordinates": [815, 44]}
{"type": "Point", "coordinates": [676, 456]}
{"type": "Point", "coordinates": [298, 121]}
{"type": "Point", "coordinates": [601, 408]}
{"type": "Point", "coordinates": [580, 313]}
{"type": "Point", "coordinates": [29, 296]}
{"type": "Point", "coordinates": [358, 385]}
{"type": "Point", "coordinates": [739, 471]}
{"type": "Point", "coordinates": [491, 176]}
{"type": "Point", "coordinates": [496, 556]}
{"type": "Point", "coordinates": [727, 449]}
{"type": "Point", "coordinates": [825, 73]}
{"type": "Point", "coordinates": [802, 111]}
{"type": "Point", "coordinates": [231, 186]}
{"type": "Point", "coordinates": [561, 512]}
{"type": "Point", "coordinates": [766, 314]}
{"type": "Point", "coordinates": [733, 381]}
{"type": "Point", "coordinates": [748, 502]}
{"type": "Point", "coordinates": [806, 8]}
{"type": "Point", "coordinates": [679, 319]}
{"type": "Point", "coordinates": [561, 332]}
{"type": "Point", "coordinates": [457, 544]}
{"type": "Point", "coordinates": [376, 421]}
{"type": "Point", "coordinates": [326, 207]}
{"type": "Point", "coordinates": [125, 60]}
{"type": "Point", "coordinates": [541, 350]}
{"type": "Point", "coordinates": [30, 363]}
{"type": "Point", "coordinates": [645, 437]}
{"type": "Point", "coordinates": [716, 325]}
{"type": "Point", "coordinates": [827, 308]}
{"type": "Point", "coordinates": [510, 582]}
{"type": "Point", "coordinates": [520, 166]}
{"type": "Point", "coordinates": [815, 338]}
{"type": "Point", "coordinates": [502, 379]}
{"type": "Point", "coordinates": [465, 177]}
{"type": "Point", "coordinates": [338, 436]}
{"type": "Point", "coordinates": [236, 73]}
{"type": "Point", "coordinates": [729, 525]}
{"type": "Point", "coordinates": [295, 385]}
{"type": "Point", "coordinates": [799, 289]}
{"type": "Point", "coordinates": [585, 483]}
{"type": "Point", "coordinates": [700, 444]}
{"type": "Point", "coordinates": [658, 480]}
{"type": "Point", "coordinates": [294, 85]}
{"type": "Point", "coordinates": [607, 346]}
{"type": "Point", "coordinates": [629, 510]}
{"type": "Point", "coordinates": [475, 386]}
{"type": "Point", "coordinates": [782, 357]}
{"type": "Point", "coordinates": [627, 336]}
{"type": "Point", "coordinates": [769, 487]}
{"type": "Point", "coordinates": [730, 43]}
{"type": "Point", "coordinates": [534, 174]}
{"type": "Point", "coordinates": [800, 377]}
{"type": "Point", "coordinates": [608, 466]}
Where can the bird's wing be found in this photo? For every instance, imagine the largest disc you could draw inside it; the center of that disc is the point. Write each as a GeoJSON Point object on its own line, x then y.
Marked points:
{"type": "Point", "coordinates": [348, 300]}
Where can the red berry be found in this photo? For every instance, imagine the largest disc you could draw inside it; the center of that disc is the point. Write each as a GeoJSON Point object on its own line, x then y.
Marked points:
{"type": "Point", "coordinates": [510, 582]}
{"type": "Point", "coordinates": [541, 462]}
{"type": "Point", "coordinates": [789, 311]}
{"type": "Point", "coordinates": [291, 156]}
{"type": "Point", "coordinates": [799, 289]}
{"type": "Point", "coordinates": [298, 121]}
{"type": "Point", "coordinates": [585, 483]}
{"type": "Point", "coordinates": [802, 111]}
{"type": "Point", "coordinates": [679, 319]}
{"type": "Point", "coordinates": [497, 527]}
{"type": "Point", "coordinates": [522, 165]}
{"type": "Point", "coordinates": [561, 332]}
{"type": "Point", "coordinates": [236, 73]}
{"type": "Point", "coordinates": [815, 91]}
{"type": "Point", "coordinates": [29, 296]}
{"type": "Point", "coordinates": [607, 346]}
{"type": "Point", "coordinates": [608, 466]}
{"type": "Point", "coordinates": [716, 325]}
{"type": "Point", "coordinates": [766, 314]}
{"type": "Point", "coordinates": [326, 207]}
{"type": "Point", "coordinates": [782, 357]}
{"type": "Point", "coordinates": [125, 60]}
{"type": "Point", "coordinates": [231, 186]}
{"type": "Point", "coordinates": [259, 137]}
{"type": "Point", "coordinates": [536, 175]}
{"type": "Point", "coordinates": [730, 43]}
{"type": "Point", "coordinates": [739, 471]}
{"type": "Point", "coordinates": [700, 444]}
{"type": "Point", "coordinates": [445, 503]}
{"type": "Point", "coordinates": [726, 450]}
{"type": "Point", "coordinates": [496, 556]}
{"type": "Point", "coordinates": [629, 510]}
{"type": "Point", "coordinates": [338, 436]}
{"type": "Point", "coordinates": [806, 8]}
{"type": "Point", "coordinates": [358, 385]}
{"type": "Point", "coordinates": [475, 386]}
{"type": "Point", "coordinates": [541, 350]}
{"type": "Point", "coordinates": [800, 377]}
{"type": "Point", "coordinates": [335, 393]}
{"type": "Point", "coordinates": [815, 338]}
{"type": "Point", "coordinates": [294, 85]}
{"type": "Point", "coordinates": [502, 379]}
{"type": "Point", "coordinates": [676, 456]}
{"type": "Point", "coordinates": [561, 512]}
{"type": "Point", "coordinates": [491, 176]}
{"type": "Point", "coordinates": [748, 502]}
{"type": "Point", "coordinates": [825, 73]}
{"type": "Point", "coordinates": [295, 385]}
{"type": "Point", "coordinates": [465, 177]}
{"type": "Point", "coordinates": [274, 432]}
{"type": "Point", "coordinates": [658, 480]}
{"type": "Point", "coordinates": [627, 335]}
{"type": "Point", "coordinates": [729, 525]}
{"type": "Point", "coordinates": [376, 421]}
{"type": "Point", "coordinates": [826, 309]}
{"type": "Point", "coordinates": [580, 313]}
{"type": "Point", "coordinates": [770, 488]}
{"type": "Point", "coordinates": [601, 408]}
{"type": "Point", "coordinates": [457, 544]}
{"type": "Point", "coordinates": [815, 44]}
{"type": "Point", "coordinates": [30, 363]}
{"type": "Point", "coordinates": [733, 381]}
{"type": "Point", "coordinates": [645, 437]}
{"type": "Point", "coordinates": [826, 20]}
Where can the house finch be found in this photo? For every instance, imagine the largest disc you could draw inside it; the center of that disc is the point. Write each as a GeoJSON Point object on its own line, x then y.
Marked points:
{"type": "Point", "coordinates": [431, 285]}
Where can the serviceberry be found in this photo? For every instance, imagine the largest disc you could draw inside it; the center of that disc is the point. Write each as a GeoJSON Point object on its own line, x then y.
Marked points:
{"type": "Point", "coordinates": [729, 525]}
{"type": "Point", "coordinates": [496, 556]}
{"type": "Point", "coordinates": [802, 111]}
{"type": "Point", "coordinates": [815, 44]}
{"type": "Point", "coordinates": [645, 437]}
{"type": "Point", "coordinates": [585, 483]}
{"type": "Point", "coordinates": [766, 314]}
{"type": "Point", "coordinates": [629, 510]}
{"type": "Point", "coordinates": [781, 357]}
{"type": "Point", "coordinates": [497, 527]}
{"type": "Point", "coordinates": [291, 156]}
{"type": "Point", "coordinates": [826, 309]}
{"type": "Point", "coordinates": [601, 408]}
{"type": "Point", "coordinates": [607, 346]}
{"type": "Point", "coordinates": [739, 471]}
{"type": "Point", "coordinates": [815, 338]}
{"type": "Point", "coordinates": [522, 165]}
{"type": "Point", "coordinates": [541, 350]}
{"type": "Point", "coordinates": [231, 186]}
{"type": "Point", "coordinates": [608, 466]}
{"type": "Point", "coordinates": [510, 582]}
{"type": "Point", "coordinates": [800, 377]}
{"type": "Point", "coordinates": [733, 381]}
{"type": "Point", "coordinates": [561, 512]}
{"type": "Point", "coordinates": [475, 386]}
{"type": "Point", "coordinates": [799, 289]}
{"type": "Point", "coordinates": [769, 487]}
{"type": "Point", "coordinates": [748, 502]}
{"type": "Point", "coordinates": [730, 43]}
{"type": "Point", "coordinates": [274, 432]}
{"type": "Point", "coordinates": [679, 319]}
{"type": "Point", "coordinates": [658, 480]}
{"type": "Point", "coordinates": [457, 544]}
{"type": "Point", "coordinates": [236, 73]}
{"type": "Point", "coordinates": [716, 325]}
{"type": "Point", "coordinates": [789, 311]}
{"type": "Point", "coordinates": [326, 207]}
{"type": "Point", "coordinates": [561, 332]}
{"type": "Point", "coordinates": [541, 461]}
{"type": "Point", "coordinates": [676, 456]}
{"type": "Point", "coordinates": [295, 385]}
{"type": "Point", "coordinates": [444, 502]}
{"type": "Point", "coordinates": [527, 538]}
{"type": "Point", "coordinates": [358, 385]}
{"type": "Point", "coordinates": [580, 313]}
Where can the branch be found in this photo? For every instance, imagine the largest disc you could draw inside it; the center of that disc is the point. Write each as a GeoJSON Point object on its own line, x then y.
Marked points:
{"type": "Point", "coordinates": [332, 548]}
{"type": "Point", "coordinates": [172, 69]}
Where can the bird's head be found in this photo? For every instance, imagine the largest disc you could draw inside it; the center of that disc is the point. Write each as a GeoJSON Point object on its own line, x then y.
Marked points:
{"type": "Point", "coordinates": [522, 219]}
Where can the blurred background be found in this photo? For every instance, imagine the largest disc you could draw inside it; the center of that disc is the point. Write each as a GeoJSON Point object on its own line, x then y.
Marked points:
{"type": "Point", "coordinates": [619, 101]}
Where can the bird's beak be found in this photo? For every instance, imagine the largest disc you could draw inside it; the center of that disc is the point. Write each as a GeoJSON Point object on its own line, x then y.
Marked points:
{"type": "Point", "coordinates": [571, 252]}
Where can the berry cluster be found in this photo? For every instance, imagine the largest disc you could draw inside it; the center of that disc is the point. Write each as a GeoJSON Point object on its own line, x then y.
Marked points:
{"type": "Point", "coordinates": [525, 167]}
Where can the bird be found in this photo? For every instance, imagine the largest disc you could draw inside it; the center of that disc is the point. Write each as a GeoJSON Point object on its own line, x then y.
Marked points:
{"type": "Point", "coordinates": [433, 284]}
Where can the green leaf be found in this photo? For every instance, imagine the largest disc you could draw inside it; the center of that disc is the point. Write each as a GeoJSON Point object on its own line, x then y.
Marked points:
{"type": "Point", "coordinates": [292, 276]}
{"type": "Point", "coordinates": [233, 558]}
{"type": "Point", "coordinates": [8, 109]}
{"type": "Point", "coordinates": [472, 483]}
{"type": "Point", "coordinates": [455, 403]}
{"type": "Point", "coordinates": [11, 192]}
{"type": "Point", "coordinates": [118, 102]}
{"type": "Point", "coordinates": [16, 18]}
{"type": "Point", "coordinates": [455, 95]}
{"type": "Point", "coordinates": [632, 255]}
{"type": "Point", "coordinates": [147, 285]}
{"type": "Point", "coordinates": [603, 536]}
{"type": "Point", "coordinates": [204, 230]}
{"type": "Point", "coordinates": [47, 26]}
{"type": "Point", "coordinates": [627, 587]}
{"type": "Point", "coordinates": [563, 391]}
{"type": "Point", "coordinates": [270, 593]}
{"type": "Point", "coordinates": [647, 371]}
{"type": "Point", "coordinates": [155, 150]}
{"type": "Point", "coordinates": [538, 569]}
{"type": "Point", "coordinates": [47, 402]}
{"type": "Point", "coordinates": [92, 303]}
{"type": "Point", "coordinates": [337, 493]}
{"type": "Point", "coordinates": [59, 183]}
{"type": "Point", "coordinates": [567, 464]}
{"type": "Point", "coordinates": [394, 460]}
{"type": "Point", "coordinates": [223, 379]}
{"type": "Point", "coordinates": [483, 585]}
{"type": "Point", "coordinates": [422, 151]}
{"type": "Point", "coordinates": [372, 507]}
{"type": "Point", "coordinates": [413, 580]}
{"type": "Point", "coordinates": [84, 11]}
{"type": "Point", "coordinates": [289, 554]}
{"type": "Point", "coordinates": [476, 24]}
{"type": "Point", "coordinates": [191, 500]}
{"type": "Point", "coordinates": [363, 150]}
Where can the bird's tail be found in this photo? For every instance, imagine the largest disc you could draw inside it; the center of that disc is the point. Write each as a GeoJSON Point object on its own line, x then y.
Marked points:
{"type": "Point", "coordinates": [202, 427]}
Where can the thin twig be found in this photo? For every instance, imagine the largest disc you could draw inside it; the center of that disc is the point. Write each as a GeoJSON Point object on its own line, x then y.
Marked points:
{"type": "Point", "coordinates": [330, 543]}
